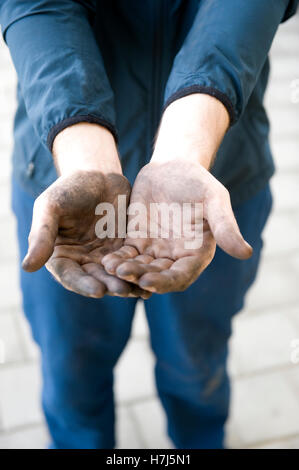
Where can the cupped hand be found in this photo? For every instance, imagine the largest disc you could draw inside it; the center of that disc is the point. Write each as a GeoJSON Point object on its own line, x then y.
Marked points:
{"type": "Point", "coordinates": [171, 263]}
{"type": "Point", "coordinates": [63, 235]}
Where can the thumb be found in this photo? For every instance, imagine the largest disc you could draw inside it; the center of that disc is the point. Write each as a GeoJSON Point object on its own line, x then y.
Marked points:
{"type": "Point", "coordinates": [224, 226]}
{"type": "Point", "coordinates": [42, 235]}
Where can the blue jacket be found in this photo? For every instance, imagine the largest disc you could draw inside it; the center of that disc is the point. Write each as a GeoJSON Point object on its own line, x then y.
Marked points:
{"type": "Point", "coordinates": [120, 62]}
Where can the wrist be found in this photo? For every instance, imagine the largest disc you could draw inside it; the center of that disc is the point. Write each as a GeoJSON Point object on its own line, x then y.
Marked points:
{"type": "Point", "coordinates": [85, 147]}
{"type": "Point", "coordinates": [191, 129]}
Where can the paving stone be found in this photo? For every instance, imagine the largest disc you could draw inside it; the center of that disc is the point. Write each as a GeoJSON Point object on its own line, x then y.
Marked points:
{"type": "Point", "coordinates": [20, 395]}
{"type": "Point", "coordinates": [286, 44]}
{"type": "Point", "coordinates": [279, 97]}
{"type": "Point", "coordinates": [295, 263]}
{"type": "Point", "coordinates": [152, 424]}
{"type": "Point", "coordinates": [281, 234]}
{"type": "Point", "coordinates": [285, 121]}
{"type": "Point", "coordinates": [126, 433]}
{"type": "Point", "coordinates": [134, 378]}
{"type": "Point", "coordinates": [292, 377]}
{"type": "Point", "coordinates": [5, 171]}
{"type": "Point", "coordinates": [263, 341]}
{"type": "Point", "coordinates": [283, 70]}
{"type": "Point", "coordinates": [8, 239]}
{"type": "Point", "coordinates": [6, 135]}
{"type": "Point", "coordinates": [5, 201]}
{"type": "Point", "coordinates": [290, 25]}
{"type": "Point", "coordinates": [264, 408]}
{"type": "Point", "coordinates": [276, 285]}
{"type": "Point", "coordinates": [140, 326]}
{"type": "Point", "coordinates": [232, 438]}
{"type": "Point", "coordinates": [10, 291]}
{"type": "Point", "coordinates": [293, 316]}
{"type": "Point", "coordinates": [291, 443]}
{"type": "Point", "coordinates": [10, 340]}
{"type": "Point", "coordinates": [31, 350]}
{"type": "Point", "coordinates": [33, 437]}
{"type": "Point", "coordinates": [285, 152]}
{"type": "Point", "coordinates": [286, 190]}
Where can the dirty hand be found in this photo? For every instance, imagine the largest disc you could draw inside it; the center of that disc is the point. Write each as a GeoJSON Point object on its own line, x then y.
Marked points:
{"type": "Point", "coordinates": [178, 174]}
{"type": "Point", "coordinates": [63, 233]}
{"type": "Point", "coordinates": [171, 263]}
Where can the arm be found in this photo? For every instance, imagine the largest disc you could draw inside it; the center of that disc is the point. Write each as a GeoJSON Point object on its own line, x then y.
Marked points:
{"type": "Point", "coordinates": [191, 131]}
{"type": "Point", "coordinates": [70, 104]}
{"type": "Point", "coordinates": [225, 50]}
{"type": "Point", "coordinates": [218, 66]}
{"type": "Point", "coordinates": [59, 66]}
{"type": "Point", "coordinates": [64, 234]}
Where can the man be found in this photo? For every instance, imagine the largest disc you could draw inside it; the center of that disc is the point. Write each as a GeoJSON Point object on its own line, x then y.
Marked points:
{"type": "Point", "coordinates": [96, 78]}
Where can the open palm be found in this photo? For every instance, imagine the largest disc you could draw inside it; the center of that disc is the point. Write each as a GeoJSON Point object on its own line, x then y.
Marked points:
{"type": "Point", "coordinates": [167, 263]}
{"type": "Point", "coordinates": [63, 234]}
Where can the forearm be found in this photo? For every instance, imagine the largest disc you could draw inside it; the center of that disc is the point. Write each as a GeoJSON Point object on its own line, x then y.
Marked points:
{"type": "Point", "coordinates": [60, 69]}
{"type": "Point", "coordinates": [192, 129]}
{"type": "Point", "coordinates": [225, 50]}
{"type": "Point", "coordinates": [87, 147]}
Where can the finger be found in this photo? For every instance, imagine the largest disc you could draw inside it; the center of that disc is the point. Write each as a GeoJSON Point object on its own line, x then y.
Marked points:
{"type": "Point", "coordinates": [113, 285]}
{"type": "Point", "coordinates": [68, 273]}
{"type": "Point", "coordinates": [113, 260]}
{"type": "Point", "coordinates": [144, 294]}
{"type": "Point", "coordinates": [138, 292]}
{"type": "Point", "coordinates": [224, 227]}
{"type": "Point", "coordinates": [162, 263]}
{"type": "Point", "coordinates": [146, 259]}
{"type": "Point", "coordinates": [132, 270]}
{"type": "Point", "coordinates": [42, 236]}
{"type": "Point", "coordinates": [177, 278]}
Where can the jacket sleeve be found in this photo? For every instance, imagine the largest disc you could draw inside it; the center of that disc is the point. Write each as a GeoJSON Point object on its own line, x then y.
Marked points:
{"type": "Point", "coordinates": [225, 50]}
{"type": "Point", "coordinates": [59, 66]}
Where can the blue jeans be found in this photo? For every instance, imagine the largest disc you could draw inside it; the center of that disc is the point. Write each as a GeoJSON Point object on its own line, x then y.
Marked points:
{"type": "Point", "coordinates": [81, 340]}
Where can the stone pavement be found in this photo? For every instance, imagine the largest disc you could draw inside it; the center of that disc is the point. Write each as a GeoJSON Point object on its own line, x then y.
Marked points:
{"type": "Point", "coordinates": [265, 380]}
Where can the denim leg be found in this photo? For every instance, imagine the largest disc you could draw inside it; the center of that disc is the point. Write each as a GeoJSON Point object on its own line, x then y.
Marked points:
{"type": "Point", "coordinates": [80, 341]}
{"type": "Point", "coordinates": [190, 332]}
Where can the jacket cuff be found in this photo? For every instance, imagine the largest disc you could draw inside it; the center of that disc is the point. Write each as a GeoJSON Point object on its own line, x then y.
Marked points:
{"type": "Point", "coordinates": [189, 90]}
{"type": "Point", "coordinates": [70, 121]}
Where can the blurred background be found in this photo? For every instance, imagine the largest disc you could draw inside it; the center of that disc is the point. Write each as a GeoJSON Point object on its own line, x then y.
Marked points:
{"type": "Point", "coordinates": [264, 349]}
